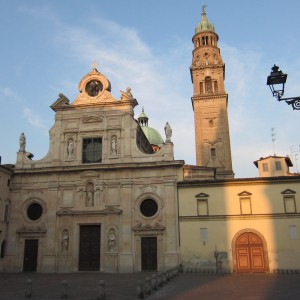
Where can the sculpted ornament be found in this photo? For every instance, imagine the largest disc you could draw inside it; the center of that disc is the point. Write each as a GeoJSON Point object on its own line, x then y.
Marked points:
{"type": "Point", "coordinates": [90, 194]}
{"type": "Point", "coordinates": [112, 242]}
{"type": "Point", "coordinates": [22, 142]}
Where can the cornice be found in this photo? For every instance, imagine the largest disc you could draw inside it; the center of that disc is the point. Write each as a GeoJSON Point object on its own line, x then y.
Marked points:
{"type": "Point", "coordinates": [239, 217]}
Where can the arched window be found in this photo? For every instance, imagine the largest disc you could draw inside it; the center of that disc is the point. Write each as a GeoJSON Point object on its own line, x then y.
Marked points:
{"type": "Point", "coordinates": [208, 85]}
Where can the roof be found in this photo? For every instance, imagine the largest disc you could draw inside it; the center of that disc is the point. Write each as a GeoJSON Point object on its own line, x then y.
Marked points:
{"type": "Point", "coordinates": [204, 24]}
{"type": "Point", "coordinates": [286, 158]}
{"type": "Point", "coordinates": [152, 135]}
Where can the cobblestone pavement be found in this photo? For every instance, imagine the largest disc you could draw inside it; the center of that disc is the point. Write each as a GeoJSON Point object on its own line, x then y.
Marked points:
{"type": "Point", "coordinates": [84, 286]}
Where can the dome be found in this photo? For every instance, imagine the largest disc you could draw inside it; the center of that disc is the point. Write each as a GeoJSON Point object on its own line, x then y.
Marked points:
{"type": "Point", "coordinates": [204, 24]}
{"type": "Point", "coordinates": [152, 135]}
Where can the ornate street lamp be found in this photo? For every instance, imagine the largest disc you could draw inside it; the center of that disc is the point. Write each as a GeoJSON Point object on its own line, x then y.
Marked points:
{"type": "Point", "coordinates": [276, 81]}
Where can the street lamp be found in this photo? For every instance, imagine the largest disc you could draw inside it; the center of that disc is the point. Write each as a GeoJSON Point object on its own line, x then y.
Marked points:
{"type": "Point", "coordinates": [276, 81]}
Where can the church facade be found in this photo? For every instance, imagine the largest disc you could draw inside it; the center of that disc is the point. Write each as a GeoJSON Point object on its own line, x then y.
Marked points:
{"type": "Point", "coordinates": [102, 199]}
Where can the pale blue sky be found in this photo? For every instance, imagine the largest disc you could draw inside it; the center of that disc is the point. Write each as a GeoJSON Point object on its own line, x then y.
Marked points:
{"type": "Point", "coordinates": [48, 46]}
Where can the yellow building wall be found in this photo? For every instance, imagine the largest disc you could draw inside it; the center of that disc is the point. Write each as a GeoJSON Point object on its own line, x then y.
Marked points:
{"type": "Point", "coordinates": [224, 222]}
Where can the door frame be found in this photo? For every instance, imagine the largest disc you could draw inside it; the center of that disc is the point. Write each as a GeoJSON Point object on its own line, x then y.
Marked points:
{"type": "Point", "coordinates": [37, 253]}
{"type": "Point", "coordinates": [100, 246]}
{"type": "Point", "coordinates": [156, 254]}
{"type": "Point", "coordinates": [233, 247]}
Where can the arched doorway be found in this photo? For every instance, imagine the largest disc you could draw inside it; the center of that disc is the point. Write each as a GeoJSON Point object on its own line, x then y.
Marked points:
{"type": "Point", "coordinates": [250, 253]}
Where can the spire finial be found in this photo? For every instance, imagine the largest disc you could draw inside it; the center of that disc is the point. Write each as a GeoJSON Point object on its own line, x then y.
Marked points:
{"type": "Point", "coordinates": [94, 65]}
{"type": "Point", "coordinates": [203, 9]}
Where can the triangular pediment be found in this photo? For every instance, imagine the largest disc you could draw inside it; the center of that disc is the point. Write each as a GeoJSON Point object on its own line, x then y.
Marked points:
{"type": "Point", "coordinates": [201, 195]}
{"type": "Point", "coordinates": [288, 192]}
{"type": "Point", "coordinates": [244, 193]}
{"type": "Point", "coordinates": [61, 102]}
{"type": "Point", "coordinates": [148, 227]}
{"type": "Point", "coordinates": [111, 210]}
{"type": "Point", "coordinates": [65, 212]}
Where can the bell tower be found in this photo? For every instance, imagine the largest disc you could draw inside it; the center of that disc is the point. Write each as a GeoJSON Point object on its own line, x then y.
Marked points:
{"type": "Point", "coordinates": [210, 101]}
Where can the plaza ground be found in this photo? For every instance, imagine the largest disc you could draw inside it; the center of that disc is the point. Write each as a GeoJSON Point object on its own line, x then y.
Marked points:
{"type": "Point", "coordinates": [84, 286]}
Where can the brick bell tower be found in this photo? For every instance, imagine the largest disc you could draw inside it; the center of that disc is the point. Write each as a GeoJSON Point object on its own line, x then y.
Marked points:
{"type": "Point", "coordinates": [210, 101]}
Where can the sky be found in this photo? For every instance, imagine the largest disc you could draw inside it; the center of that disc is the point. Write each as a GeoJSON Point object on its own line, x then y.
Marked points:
{"type": "Point", "coordinates": [47, 47]}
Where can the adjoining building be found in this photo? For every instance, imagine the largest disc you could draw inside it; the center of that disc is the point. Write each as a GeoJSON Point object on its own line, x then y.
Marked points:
{"type": "Point", "coordinates": [226, 224]}
{"type": "Point", "coordinates": [6, 172]}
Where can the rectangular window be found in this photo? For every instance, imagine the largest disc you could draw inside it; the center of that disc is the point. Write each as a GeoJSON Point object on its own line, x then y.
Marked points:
{"type": "Point", "coordinates": [201, 87]}
{"type": "Point", "coordinates": [245, 206]}
{"type": "Point", "coordinates": [91, 150]}
{"type": "Point", "coordinates": [278, 165]}
{"type": "Point", "coordinates": [289, 204]}
{"type": "Point", "coordinates": [216, 86]}
{"type": "Point", "coordinates": [203, 235]}
{"type": "Point", "coordinates": [202, 206]}
{"type": "Point", "coordinates": [213, 152]}
{"type": "Point", "coordinates": [293, 232]}
{"type": "Point", "coordinates": [265, 167]}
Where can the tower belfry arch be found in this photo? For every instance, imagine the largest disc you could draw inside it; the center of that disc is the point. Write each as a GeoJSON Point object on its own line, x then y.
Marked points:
{"type": "Point", "coordinates": [210, 100]}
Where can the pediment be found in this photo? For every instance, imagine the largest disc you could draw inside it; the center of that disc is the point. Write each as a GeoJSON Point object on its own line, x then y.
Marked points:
{"type": "Point", "coordinates": [111, 210]}
{"type": "Point", "coordinates": [201, 195]}
{"type": "Point", "coordinates": [89, 174]}
{"type": "Point", "coordinates": [149, 188]}
{"type": "Point", "coordinates": [288, 192]}
{"type": "Point", "coordinates": [148, 227]}
{"type": "Point", "coordinates": [244, 193]}
{"type": "Point", "coordinates": [92, 119]}
{"type": "Point", "coordinates": [65, 212]}
{"type": "Point", "coordinates": [61, 102]}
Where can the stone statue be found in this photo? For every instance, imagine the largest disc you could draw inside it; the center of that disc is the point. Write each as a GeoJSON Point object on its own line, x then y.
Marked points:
{"type": "Point", "coordinates": [65, 241]}
{"type": "Point", "coordinates": [90, 194]}
{"type": "Point", "coordinates": [112, 243]}
{"type": "Point", "coordinates": [114, 145]}
{"type": "Point", "coordinates": [22, 142]}
{"type": "Point", "coordinates": [168, 132]}
{"type": "Point", "coordinates": [126, 95]}
{"type": "Point", "coordinates": [70, 147]}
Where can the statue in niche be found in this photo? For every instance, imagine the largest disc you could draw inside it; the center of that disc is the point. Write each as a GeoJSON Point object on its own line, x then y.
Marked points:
{"type": "Point", "coordinates": [90, 194]}
{"type": "Point", "coordinates": [70, 147]}
{"type": "Point", "coordinates": [112, 242]}
{"type": "Point", "coordinates": [114, 145]}
{"type": "Point", "coordinates": [22, 142]}
{"type": "Point", "coordinates": [126, 95]}
{"type": "Point", "coordinates": [65, 241]}
{"type": "Point", "coordinates": [168, 132]}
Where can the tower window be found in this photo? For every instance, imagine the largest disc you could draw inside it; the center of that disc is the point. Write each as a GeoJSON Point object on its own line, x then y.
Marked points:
{"type": "Point", "coordinates": [216, 86]}
{"type": "Point", "coordinates": [208, 85]}
{"type": "Point", "coordinates": [203, 40]}
{"type": "Point", "coordinates": [213, 152]}
{"type": "Point", "coordinates": [201, 87]}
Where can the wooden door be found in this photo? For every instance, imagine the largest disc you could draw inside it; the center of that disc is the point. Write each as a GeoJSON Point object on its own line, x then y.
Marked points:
{"type": "Point", "coordinates": [149, 253]}
{"type": "Point", "coordinates": [30, 255]}
{"type": "Point", "coordinates": [89, 248]}
{"type": "Point", "coordinates": [249, 253]}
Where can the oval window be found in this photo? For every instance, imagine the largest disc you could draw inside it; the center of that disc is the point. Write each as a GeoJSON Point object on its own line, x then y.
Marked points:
{"type": "Point", "coordinates": [34, 211]}
{"type": "Point", "coordinates": [149, 207]}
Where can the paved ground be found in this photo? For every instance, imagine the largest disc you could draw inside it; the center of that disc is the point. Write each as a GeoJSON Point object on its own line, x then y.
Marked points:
{"type": "Point", "coordinates": [84, 286]}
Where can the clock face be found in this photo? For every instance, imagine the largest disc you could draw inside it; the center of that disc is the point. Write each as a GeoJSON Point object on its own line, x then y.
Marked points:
{"type": "Point", "coordinates": [93, 88]}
